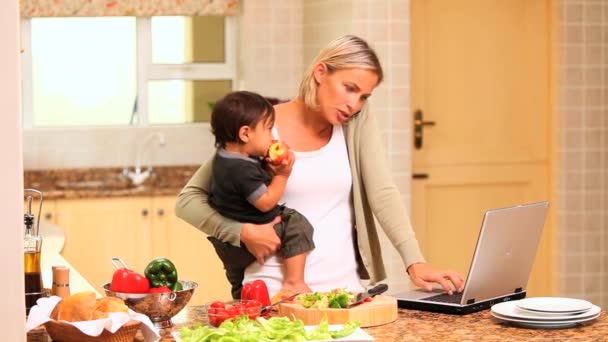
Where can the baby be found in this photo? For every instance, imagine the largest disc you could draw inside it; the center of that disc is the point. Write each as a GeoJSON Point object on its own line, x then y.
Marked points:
{"type": "Point", "coordinates": [247, 188]}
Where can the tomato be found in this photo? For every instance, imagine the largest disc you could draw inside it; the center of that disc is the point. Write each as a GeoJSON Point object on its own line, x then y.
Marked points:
{"type": "Point", "coordinates": [253, 312]}
{"type": "Point", "coordinates": [231, 310]}
{"type": "Point", "coordinates": [368, 299]}
{"type": "Point", "coordinates": [252, 303]}
{"type": "Point", "coordinates": [218, 304]}
{"type": "Point", "coordinates": [220, 316]}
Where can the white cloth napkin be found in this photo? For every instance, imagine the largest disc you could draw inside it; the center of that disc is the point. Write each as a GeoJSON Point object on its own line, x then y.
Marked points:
{"type": "Point", "coordinates": [41, 313]}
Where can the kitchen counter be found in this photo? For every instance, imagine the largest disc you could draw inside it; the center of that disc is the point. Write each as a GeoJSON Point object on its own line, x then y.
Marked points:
{"type": "Point", "coordinates": [412, 325]}
{"type": "Point", "coordinates": [107, 182]}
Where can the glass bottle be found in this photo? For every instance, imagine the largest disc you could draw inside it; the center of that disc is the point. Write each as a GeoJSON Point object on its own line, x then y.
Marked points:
{"type": "Point", "coordinates": [32, 247]}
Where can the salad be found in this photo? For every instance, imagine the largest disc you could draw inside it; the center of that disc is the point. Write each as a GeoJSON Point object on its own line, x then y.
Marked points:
{"type": "Point", "coordinates": [335, 299]}
{"type": "Point", "coordinates": [272, 329]}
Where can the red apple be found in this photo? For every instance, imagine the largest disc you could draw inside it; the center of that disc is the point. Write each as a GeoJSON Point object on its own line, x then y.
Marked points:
{"type": "Point", "coordinates": [278, 152]}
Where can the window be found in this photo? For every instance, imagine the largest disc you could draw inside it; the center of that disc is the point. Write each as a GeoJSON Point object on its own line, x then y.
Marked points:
{"type": "Point", "coordinates": [124, 70]}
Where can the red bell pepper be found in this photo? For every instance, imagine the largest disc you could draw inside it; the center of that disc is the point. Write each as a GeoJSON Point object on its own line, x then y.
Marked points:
{"type": "Point", "coordinates": [128, 281]}
{"type": "Point", "coordinates": [256, 290]}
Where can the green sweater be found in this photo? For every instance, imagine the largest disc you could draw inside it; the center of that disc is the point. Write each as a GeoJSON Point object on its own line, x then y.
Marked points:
{"type": "Point", "coordinates": [374, 195]}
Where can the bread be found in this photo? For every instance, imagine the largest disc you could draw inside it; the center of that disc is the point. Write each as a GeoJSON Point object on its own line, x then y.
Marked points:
{"type": "Point", "coordinates": [84, 306]}
{"type": "Point", "coordinates": [105, 305]}
{"type": "Point", "coordinates": [77, 307]}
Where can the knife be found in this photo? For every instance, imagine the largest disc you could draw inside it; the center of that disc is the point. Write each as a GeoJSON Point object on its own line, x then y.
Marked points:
{"type": "Point", "coordinates": [376, 290]}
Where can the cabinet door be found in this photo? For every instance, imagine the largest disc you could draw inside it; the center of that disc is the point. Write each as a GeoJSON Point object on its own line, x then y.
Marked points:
{"type": "Point", "coordinates": [191, 252]}
{"type": "Point", "coordinates": [98, 229]}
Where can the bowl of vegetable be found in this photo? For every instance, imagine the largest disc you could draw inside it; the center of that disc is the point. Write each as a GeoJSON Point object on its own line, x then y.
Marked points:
{"type": "Point", "coordinates": [157, 294]}
{"type": "Point", "coordinates": [217, 312]}
{"type": "Point", "coordinates": [160, 307]}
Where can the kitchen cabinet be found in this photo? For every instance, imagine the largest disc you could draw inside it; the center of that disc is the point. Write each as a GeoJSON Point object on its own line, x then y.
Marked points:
{"type": "Point", "coordinates": [190, 250]}
{"type": "Point", "coordinates": [137, 229]}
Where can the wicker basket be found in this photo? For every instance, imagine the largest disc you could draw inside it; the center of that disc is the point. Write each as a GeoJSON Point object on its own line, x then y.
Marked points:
{"type": "Point", "coordinates": [64, 332]}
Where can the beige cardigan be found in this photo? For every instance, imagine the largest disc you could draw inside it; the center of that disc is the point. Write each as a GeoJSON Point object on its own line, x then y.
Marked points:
{"type": "Point", "coordinates": [374, 194]}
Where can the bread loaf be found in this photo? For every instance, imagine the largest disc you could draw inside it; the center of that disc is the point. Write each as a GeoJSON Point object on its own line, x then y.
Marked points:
{"type": "Point", "coordinates": [84, 306]}
{"type": "Point", "coordinates": [105, 305]}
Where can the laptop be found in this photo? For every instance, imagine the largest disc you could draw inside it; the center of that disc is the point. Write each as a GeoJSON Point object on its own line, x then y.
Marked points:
{"type": "Point", "coordinates": [501, 264]}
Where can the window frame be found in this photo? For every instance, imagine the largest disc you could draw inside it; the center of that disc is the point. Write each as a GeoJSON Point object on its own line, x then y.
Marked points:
{"type": "Point", "coordinates": [146, 69]}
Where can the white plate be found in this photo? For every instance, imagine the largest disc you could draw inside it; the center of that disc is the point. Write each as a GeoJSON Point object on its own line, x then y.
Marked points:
{"type": "Point", "coordinates": [554, 304]}
{"type": "Point", "coordinates": [359, 335]}
{"type": "Point", "coordinates": [546, 324]}
{"type": "Point", "coordinates": [511, 310]}
{"type": "Point", "coordinates": [552, 314]}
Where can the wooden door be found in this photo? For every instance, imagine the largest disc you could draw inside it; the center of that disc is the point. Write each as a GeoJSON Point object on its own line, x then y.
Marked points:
{"type": "Point", "coordinates": [191, 252]}
{"type": "Point", "coordinates": [101, 228]}
{"type": "Point", "coordinates": [481, 73]}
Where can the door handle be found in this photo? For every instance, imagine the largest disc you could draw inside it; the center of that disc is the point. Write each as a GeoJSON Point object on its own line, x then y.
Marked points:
{"type": "Point", "coordinates": [420, 176]}
{"type": "Point", "coordinates": [419, 124]}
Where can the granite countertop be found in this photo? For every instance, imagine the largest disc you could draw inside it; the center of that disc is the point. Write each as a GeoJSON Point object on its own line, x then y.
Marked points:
{"type": "Point", "coordinates": [106, 182]}
{"type": "Point", "coordinates": [413, 325]}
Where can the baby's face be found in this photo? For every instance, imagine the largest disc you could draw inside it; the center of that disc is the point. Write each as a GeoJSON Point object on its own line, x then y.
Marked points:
{"type": "Point", "coordinates": [261, 138]}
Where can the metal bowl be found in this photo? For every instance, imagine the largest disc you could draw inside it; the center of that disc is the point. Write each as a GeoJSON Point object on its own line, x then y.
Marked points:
{"type": "Point", "coordinates": [160, 307]}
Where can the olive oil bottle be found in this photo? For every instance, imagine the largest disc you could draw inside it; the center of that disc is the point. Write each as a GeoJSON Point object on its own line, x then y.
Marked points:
{"type": "Point", "coordinates": [32, 247]}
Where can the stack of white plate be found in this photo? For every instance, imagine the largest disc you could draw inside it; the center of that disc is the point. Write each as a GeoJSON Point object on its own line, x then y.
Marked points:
{"type": "Point", "coordinates": [546, 312]}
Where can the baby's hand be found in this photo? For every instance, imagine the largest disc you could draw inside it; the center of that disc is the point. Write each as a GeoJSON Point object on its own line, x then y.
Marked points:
{"type": "Point", "coordinates": [286, 165]}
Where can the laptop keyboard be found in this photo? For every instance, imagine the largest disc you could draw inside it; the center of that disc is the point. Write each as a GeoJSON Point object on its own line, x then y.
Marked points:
{"type": "Point", "coordinates": [445, 298]}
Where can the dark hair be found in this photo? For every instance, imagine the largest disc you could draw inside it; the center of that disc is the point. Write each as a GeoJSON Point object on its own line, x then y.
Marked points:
{"type": "Point", "coordinates": [235, 110]}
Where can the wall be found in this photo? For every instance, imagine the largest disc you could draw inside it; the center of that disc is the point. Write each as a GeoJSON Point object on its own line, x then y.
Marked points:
{"type": "Point", "coordinates": [271, 47]}
{"type": "Point", "coordinates": [583, 150]}
{"type": "Point", "coordinates": [12, 311]}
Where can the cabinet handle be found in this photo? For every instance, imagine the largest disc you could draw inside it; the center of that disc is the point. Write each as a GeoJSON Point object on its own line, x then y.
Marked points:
{"type": "Point", "coordinates": [144, 212]}
{"type": "Point", "coordinates": [48, 216]}
{"type": "Point", "coordinates": [161, 212]}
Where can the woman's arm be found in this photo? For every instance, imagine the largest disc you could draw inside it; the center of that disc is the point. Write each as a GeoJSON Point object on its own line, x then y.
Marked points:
{"type": "Point", "coordinates": [383, 196]}
{"type": "Point", "coordinates": [193, 207]}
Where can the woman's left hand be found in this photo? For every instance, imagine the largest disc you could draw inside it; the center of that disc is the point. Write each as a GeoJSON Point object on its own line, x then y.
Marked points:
{"type": "Point", "coordinates": [423, 275]}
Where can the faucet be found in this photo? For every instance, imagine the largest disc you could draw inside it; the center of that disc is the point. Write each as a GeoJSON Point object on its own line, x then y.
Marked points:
{"type": "Point", "coordinates": [137, 176]}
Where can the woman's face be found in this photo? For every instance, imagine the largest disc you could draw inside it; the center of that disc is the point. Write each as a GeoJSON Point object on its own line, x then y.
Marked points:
{"type": "Point", "coordinates": [342, 93]}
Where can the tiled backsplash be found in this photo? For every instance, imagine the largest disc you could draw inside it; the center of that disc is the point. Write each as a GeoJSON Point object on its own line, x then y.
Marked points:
{"type": "Point", "coordinates": [582, 230]}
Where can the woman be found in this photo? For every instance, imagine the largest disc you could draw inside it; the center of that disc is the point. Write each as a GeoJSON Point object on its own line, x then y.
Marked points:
{"type": "Point", "coordinates": [339, 181]}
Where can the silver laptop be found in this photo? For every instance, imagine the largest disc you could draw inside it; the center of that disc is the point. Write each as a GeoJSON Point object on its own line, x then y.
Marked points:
{"type": "Point", "coordinates": [501, 264]}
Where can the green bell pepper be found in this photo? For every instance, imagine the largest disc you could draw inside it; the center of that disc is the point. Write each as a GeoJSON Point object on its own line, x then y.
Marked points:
{"type": "Point", "coordinates": [162, 272]}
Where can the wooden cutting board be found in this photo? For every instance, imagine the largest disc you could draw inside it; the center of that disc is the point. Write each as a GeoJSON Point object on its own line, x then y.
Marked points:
{"type": "Point", "coordinates": [381, 310]}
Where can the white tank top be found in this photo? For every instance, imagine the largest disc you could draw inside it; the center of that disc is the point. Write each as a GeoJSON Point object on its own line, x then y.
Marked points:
{"type": "Point", "coordinates": [320, 188]}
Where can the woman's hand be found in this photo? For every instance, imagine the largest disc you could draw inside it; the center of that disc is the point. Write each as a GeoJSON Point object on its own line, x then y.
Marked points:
{"type": "Point", "coordinates": [423, 275]}
{"type": "Point", "coordinates": [260, 239]}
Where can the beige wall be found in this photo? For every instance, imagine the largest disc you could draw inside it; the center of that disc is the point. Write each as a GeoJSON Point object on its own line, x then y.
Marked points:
{"type": "Point", "coordinates": [12, 311]}
{"type": "Point", "coordinates": [582, 229]}
{"type": "Point", "coordinates": [270, 56]}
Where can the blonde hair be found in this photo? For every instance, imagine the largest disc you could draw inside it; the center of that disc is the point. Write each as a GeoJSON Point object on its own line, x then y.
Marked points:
{"type": "Point", "coordinates": [345, 52]}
